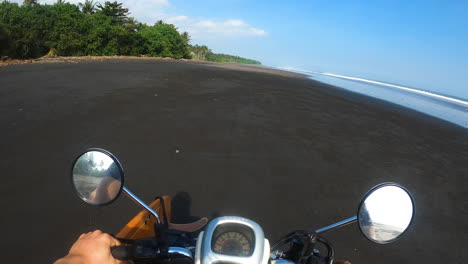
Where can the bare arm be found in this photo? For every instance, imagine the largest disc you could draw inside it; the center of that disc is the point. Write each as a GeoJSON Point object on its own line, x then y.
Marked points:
{"type": "Point", "coordinates": [91, 248]}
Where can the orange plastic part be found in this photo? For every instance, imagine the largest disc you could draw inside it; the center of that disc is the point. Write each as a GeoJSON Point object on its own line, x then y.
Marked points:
{"type": "Point", "coordinates": [142, 225]}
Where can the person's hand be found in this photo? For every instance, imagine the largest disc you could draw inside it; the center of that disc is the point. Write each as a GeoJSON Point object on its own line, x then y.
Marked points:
{"type": "Point", "coordinates": [91, 248]}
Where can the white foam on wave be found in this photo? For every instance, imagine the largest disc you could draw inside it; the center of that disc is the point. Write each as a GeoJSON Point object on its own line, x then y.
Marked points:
{"type": "Point", "coordinates": [441, 106]}
{"type": "Point", "coordinates": [438, 96]}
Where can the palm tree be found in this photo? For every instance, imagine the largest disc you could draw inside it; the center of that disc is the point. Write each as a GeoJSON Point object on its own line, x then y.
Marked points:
{"type": "Point", "coordinates": [89, 7]}
{"type": "Point", "coordinates": [200, 52]}
{"type": "Point", "coordinates": [30, 2]}
{"type": "Point", "coordinates": [114, 10]}
{"type": "Point", "coordinates": [185, 36]}
{"type": "Point", "coordinates": [60, 1]}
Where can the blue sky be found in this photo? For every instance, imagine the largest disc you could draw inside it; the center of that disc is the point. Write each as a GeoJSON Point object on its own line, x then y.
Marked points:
{"type": "Point", "coordinates": [417, 43]}
{"type": "Point", "coordinates": [423, 44]}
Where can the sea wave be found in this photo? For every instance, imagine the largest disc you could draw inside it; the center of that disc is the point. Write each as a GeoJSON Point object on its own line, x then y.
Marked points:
{"type": "Point", "coordinates": [445, 107]}
{"type": "Point", "coordinates": [409, 89]}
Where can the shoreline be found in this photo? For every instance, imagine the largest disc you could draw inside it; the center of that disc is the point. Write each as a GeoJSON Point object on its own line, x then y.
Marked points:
{"type": "Point", "coordinates": [442, 107]}
{"type": "Point", "coordinates": [335, 89]}
{"type": "Point", "coordinates": [446, 108]}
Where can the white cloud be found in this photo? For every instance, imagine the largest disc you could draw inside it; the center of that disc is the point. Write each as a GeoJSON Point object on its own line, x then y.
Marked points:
{"type": "Point", "coordinates": [208, 24]}
{"type": "Point", "coordinates": [234, 23]}
{"type": "Point", "coordinates": [177, 19]}
{"type": "Point", "coordinates": [147, 11]}
{"type": "Point", "coordinates": [204, 28]}
{"type": "Point", "coordinates": [257, 32]}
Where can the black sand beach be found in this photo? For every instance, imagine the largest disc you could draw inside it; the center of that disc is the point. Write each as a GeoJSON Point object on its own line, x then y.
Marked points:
{"type": "Point", "coordinates": [272, 146]}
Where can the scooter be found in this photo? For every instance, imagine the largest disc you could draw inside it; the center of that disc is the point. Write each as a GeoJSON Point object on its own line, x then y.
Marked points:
{"type": "Point", "coordinates": [384, 214]}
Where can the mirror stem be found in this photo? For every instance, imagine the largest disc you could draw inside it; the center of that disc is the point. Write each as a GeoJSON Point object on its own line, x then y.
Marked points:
{"type": "Point", "coordinates": [141, 203]}
{"type": "Point", "coordinates": [337, 225]}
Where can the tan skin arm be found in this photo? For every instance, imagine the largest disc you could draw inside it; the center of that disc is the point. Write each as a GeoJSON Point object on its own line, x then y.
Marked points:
{"type": "Point", "coordinates": [91, 248]}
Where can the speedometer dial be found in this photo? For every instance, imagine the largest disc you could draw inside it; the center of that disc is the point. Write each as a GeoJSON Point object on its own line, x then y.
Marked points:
{"type": "Point", "coordinates": [232, 244]}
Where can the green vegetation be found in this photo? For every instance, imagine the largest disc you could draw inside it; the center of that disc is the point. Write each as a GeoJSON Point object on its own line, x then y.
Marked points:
{"type": "Point", "coordinates": [163, 40]}
{"type": "Point", "coordinates": [32, 30]}
{"type": "Point", "coordinates": [229, 58]}
{"type": "Point", "coordinates": [199, 52]}
{"type": "Point", "coordinates": [204, 53]}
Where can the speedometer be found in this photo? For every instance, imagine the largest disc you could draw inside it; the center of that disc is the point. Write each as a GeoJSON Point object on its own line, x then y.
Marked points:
{"type": "Point", "coordinates": [232, 244]}
{"type": "Point", "coordinates": [232, 240]}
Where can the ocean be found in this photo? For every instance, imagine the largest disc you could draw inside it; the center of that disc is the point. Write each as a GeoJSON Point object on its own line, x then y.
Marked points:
{"type": "Point", "coordinates": [454, 110]}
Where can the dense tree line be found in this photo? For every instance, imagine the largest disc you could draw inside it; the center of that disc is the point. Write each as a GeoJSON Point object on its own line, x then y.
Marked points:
{"type": "Point", "coordinates": [217, 57]}
{"type": "Point", "coordinates": [32, 30]}
{"type": "Point", "coordinates": [204, 53]}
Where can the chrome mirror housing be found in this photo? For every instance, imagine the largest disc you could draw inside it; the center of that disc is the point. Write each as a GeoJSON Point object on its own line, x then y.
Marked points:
{"type": "Point", "coordinates": [97, 177]}
{"type": "Point", "coordinates": [385, 213]}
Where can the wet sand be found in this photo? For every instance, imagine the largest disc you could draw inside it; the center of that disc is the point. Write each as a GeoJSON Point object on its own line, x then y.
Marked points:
{"type": "Point", "coordinates": [275, 147]}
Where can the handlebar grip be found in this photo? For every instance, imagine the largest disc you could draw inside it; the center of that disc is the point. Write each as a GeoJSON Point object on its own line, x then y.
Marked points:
{"type": "Point", "coordinates": [122, 252]}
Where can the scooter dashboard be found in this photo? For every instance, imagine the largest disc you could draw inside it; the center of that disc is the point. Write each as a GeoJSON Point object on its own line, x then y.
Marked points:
{"type": "Point", "coordinates": [232, 239]}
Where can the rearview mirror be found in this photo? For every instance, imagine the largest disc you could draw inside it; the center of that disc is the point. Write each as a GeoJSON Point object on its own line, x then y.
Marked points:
{"type": "Point", "coordinates": [97, 177]}
{"type": "Point", "coordinates": [385, 213]}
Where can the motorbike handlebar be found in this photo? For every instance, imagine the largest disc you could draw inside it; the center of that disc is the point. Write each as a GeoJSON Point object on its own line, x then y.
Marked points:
{"type": "Point", "coordinates": [122, 252]}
